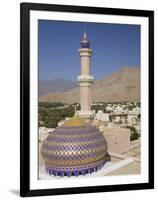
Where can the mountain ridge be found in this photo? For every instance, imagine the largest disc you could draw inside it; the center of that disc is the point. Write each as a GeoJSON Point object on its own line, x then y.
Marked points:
{"type": "Point", "coordinates": [122, 85]}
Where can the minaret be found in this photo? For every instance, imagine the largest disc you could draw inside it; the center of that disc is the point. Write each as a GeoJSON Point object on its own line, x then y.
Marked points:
{"type": "Point", "coordinates": [85, 79]}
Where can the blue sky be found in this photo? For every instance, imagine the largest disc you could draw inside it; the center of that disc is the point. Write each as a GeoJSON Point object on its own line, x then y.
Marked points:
{"type": "Point", "coordinates": [114, 46]}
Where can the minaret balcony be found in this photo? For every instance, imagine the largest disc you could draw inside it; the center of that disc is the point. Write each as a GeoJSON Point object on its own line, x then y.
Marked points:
{"type": "Point", "coordinates": [85, 80]}
{"type": "Point", "coordinates": [85, 52]}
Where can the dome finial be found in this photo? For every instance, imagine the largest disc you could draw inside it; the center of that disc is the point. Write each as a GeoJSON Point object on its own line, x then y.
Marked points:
{"type": "Point", "coordinates": [75, 121]}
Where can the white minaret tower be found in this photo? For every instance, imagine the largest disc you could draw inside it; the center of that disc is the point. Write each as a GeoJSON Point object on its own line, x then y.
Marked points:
{"type": "Point", "coordinates": [85, 79]}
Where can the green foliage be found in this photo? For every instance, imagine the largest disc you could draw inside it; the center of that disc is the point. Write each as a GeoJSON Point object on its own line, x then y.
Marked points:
{"type": "Point", "coordinates": [111, 118]}
{"type": "Point", "coordinates": [127, 126]}
{"type": "Point", "coordinates": [50, 117]}
{"type": "Point", "coordinates": [134, 134]}
{"type": "Point", "coordinates": [99, 107]}
{"type": "Point", "coordinates": [50, 104]}
{"type": "Point", "coordinates": [130, 107]}
{"type": "Point", "coordinates": [139, 104]}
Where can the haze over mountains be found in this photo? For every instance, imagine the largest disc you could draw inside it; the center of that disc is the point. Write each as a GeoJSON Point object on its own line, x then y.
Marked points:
{"type": "Point", "coordinates": [57, 85]}
{"type": "Point", "coordinates": [123, 85]}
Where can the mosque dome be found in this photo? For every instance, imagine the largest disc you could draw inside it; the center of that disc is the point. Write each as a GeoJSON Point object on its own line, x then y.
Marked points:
{"type": "Point", "coordinates": [75, 148]}
{"type": "Point", "coordinates": [84, 41]}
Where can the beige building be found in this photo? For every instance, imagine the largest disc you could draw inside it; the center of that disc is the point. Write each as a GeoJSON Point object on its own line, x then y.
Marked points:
{"type": "Point", "coordinates": [118, 139]}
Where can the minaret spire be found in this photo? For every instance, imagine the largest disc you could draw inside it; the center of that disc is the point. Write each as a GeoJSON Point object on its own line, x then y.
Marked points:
{"type": "Point", "coordinates": [85, 33]}
{"type": "Point", "coordinates": [84, 41]}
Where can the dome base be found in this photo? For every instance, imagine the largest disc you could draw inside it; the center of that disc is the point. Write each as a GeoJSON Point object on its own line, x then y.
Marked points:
{"type": "Point", "coordinates": [75, 170]}
{"type": "Point", "coordinates": [86, 114]}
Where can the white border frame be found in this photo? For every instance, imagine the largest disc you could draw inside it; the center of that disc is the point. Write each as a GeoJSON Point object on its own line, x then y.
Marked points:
{"type": "Point", "coordinates": [108, 180]}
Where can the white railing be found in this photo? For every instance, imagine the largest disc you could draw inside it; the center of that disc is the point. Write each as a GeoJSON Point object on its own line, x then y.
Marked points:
{"type": "Point", "coordinates": [85, 77]}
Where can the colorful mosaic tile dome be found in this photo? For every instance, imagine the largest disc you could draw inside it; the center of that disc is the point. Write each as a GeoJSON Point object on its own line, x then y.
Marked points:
{"type": "Point", "coordinates": [75, 148]}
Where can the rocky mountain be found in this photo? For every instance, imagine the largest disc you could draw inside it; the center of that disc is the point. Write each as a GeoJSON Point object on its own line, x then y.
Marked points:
{"type": "Point", "coordinates": [123, 85]}
{"type": "Point", "coordinates": [57, 85]}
